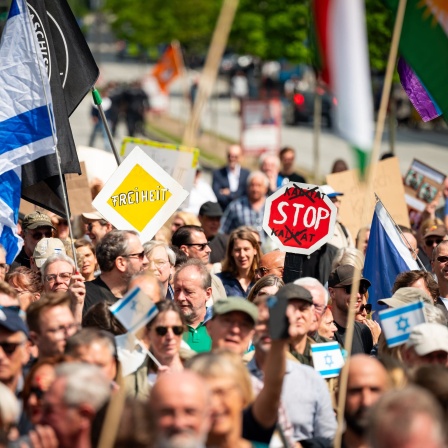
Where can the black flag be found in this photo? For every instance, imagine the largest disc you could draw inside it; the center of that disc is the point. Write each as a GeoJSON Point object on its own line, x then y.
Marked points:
{"type": "Point", "coordinates": [73, 72]}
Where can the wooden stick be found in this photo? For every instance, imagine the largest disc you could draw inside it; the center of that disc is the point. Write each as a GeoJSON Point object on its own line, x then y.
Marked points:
{"type": "Point", "coordinates": [366, 212]}
{"type": "Point", "coordinates": [208, 77]}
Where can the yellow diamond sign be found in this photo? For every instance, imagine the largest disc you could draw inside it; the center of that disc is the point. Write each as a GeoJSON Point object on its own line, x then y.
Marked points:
{"type": "Point", "coordinates": [140, 195]}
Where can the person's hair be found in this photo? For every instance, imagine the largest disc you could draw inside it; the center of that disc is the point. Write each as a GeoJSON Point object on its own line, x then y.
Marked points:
{"type": "Point", "coordinates": [7, 289]}
{"type": "Point", "coordinates": [99, 316]}
{"type": "Point", "coordinates": [188, 218]}
{"type": "Point", "coordinates": [285, 150]}
{"type": "Point", "coordinates": [395, 411]}
{"type": "Point", "coordinates": [436, 249]}
{"type": "Point", "coordinates": [25, 278]}
{"type": "Point", "coordinates": [385, 352]}
{"type": "Point", "coordinates": [229, 264]}
{"type": "Point", "coordinates": [407, 278]}
{"type": "Point", "coordinates": [201, 268]}
{"type": "Point", "coordinates": [181, 256]}
{"type": "Point", "coordinates": [348, 255]}
{"type": "Point", "coordinates": [183, 235]}
{"type": "Point", "coordinates": [263, 282]}
{"type": "Point", "coordinates": [310, 282]}
{"type": "Point", "coordinates": [84, 242]}
{"type": "Point", "coordinates": [224, 364]}
{"type": "Point", "coordinates": [47, 301]}
{"type": "Point", "coordinates": [338, 166]}
{"type": "Point", "coordinates": [84, 384]}
{"type": "Point", "coordinates": [53, 259]}
{"type": "Point", "coordinates": [88, 336]}
{"type": "Point", "coordinates": [168, 305]}
{"type": "Point", "coordinates": [149, 276]}
{"type": "Point", "coordinates": [254, 174]}
{"type": "Point", "coordinates": [9, 408]}
{"type": "Point", "coordinates": [149, 246]}
{"type": "Point", "coordinates": [361, 232]}
{"type": "Point", "coordinates": [114, 244]}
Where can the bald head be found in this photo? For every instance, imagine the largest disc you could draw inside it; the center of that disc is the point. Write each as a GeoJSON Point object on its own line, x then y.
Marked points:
{"type": "Point", "coordinates": [149, 284]}
{"type": "Point", "coordinates": [272, 263]}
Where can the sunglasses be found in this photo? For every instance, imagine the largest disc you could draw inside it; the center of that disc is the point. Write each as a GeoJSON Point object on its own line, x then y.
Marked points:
{"type": "Point", "coordinates": [139, 255]}
{"type": "Point", "coordinates": [9, 347]}
{"type": "Point", "coordinates": [348, 288]}
{"type": "Point", "coordinates": [37, 236]}
{"type": "Point", "coordinates": [442, 259]}
{"type": "Point", "coordinates": [367, 307]}
{"type": "Point", "coordinates": [430, 242]}
{"type": "Point", "coordinates": [200, 246]}
{"type": "Point", "coordinates": [177, 330]}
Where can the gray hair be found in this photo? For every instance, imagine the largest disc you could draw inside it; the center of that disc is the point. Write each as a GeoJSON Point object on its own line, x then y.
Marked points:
{"type": "Point", "coordinates": [206, 278]}
{"type": "Point", "coordinates": [149, 246]}
{"type": "Point", "coordinates": [53, 259]}
{"type": "Point", "coordinates": [434, 315]}
{"type": "Point", "coordinates": [9, 407]}
{"type": "Point", "coordinates": [348, 255]}
{"type": "Point", "coordinates": [264, 157]}
{"type": "Point", "coordinates": [254, 174]}
{"type": "Point", "coordinates": [312, 283]}
{"type": "Point", "coordinates": [85, 383]}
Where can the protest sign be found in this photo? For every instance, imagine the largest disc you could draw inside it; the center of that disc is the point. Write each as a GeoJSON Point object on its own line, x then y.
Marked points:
{"type": "Point", "coordinates": [327, 359]}
{"type": "Point", "coordinates": [140, 195]}
{"type": "Point", "coordinates": [388, 185]}
{"type": "Point", "coordinates": [300, 218]}
{"type": "Point", "coordinates": [178, 161]}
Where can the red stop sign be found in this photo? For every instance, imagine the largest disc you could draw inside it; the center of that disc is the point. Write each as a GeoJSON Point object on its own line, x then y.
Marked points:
{"type": "Point", "coordinates": [300, 218]}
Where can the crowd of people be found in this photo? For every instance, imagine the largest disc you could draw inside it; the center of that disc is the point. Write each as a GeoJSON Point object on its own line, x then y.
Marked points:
{"type": "Point", "coordinates": [227, 361]}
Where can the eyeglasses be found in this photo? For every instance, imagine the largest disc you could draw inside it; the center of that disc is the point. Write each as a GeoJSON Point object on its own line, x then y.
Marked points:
{"type": "Point", "coordinates": [367, 307]}
{"type": "Point", "coordinates": [4, 267]}
{"type": "Point", "coordinates": [177, 330]}
{"type": "Point", "coordinates": [263, 271]}
{"type": "Point", "coordinates": [37, 391]}
{"type": "Point", "coordinates": [139, 255]}
{"type": "Point", "coordinates": [431, 242]}
{"type": "Point", "coordinates": [37, 236]}
{"type": "Point", "coordinates": [63, 328]}
{"type": "Point", "coordinates": [348, 288]}
{"type": "Point", "coordinates": [10, 347]}
{"type": "Point", "coordinates": [64, 276]}
{"type": "Point", "coordinates": [158, 263]}
{"type": "Point", "coordinates": [442, 259]}
{"type": "Point", "coordinates": [201, 246]}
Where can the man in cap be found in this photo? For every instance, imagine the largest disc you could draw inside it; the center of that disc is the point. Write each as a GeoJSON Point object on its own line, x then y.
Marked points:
{"type": "Point", "coordinates": [35, 226]}
{"type": "Point", "coordinates": [339, 287]}
{"type": "Point", "coordinates": [440, 269]}
{"type": "Point", "coordinates": [44, 249]}
{"type": "Point", "coordinates": [232, 325]}
{"type": "Point", "coordinates": [427, 344]}
{"type": "Point", "coordinates": [431, 239]}
{"type": "Point", "coordinates": [97, 226]}
{"type": "Point", "coordinates": [405, 296]}
{"type": "Point", "coordinates": [210, 218]}
{"type": "Point", "coordinates": [341, 237]}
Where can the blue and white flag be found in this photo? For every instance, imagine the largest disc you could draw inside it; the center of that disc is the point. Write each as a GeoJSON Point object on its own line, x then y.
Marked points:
{"type": "Point", "coordinates": [387, 256]}
{"type": "Point", "coordinates": [27, 129]}
{"type": "Point", "coordinates": [397, 323]}
{"type": "Point", "coordinates": [134, 310]}
{"type": "Point", "coordinates": [327, 359]}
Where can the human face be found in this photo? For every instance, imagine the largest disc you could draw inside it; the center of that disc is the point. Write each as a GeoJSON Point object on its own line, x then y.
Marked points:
{"type": "Point", "coordinates": [327, 327]}
{"type": "Point", "coordinates": [99, 354]}
{"type": "Point", "coordinates": [12, 355]}
{"type": "Point", "coordinates": [421, 284]}
{"type": "Point", "coordinates": [133, 262]}
{"type": "Point", "coordinates": [190, 295]}
{"type": "Point", "coordinates": [361, 314]}
{"type": "Point", "coordinates": [243, 253]}
{"type": "Point", "coordinates": [177, 222]}
{"type": "Point", "coordinates": [40, 383]}
{"type": "Point", "coordinates": [233, 156]}
{"type": "Point", "coordinates": [198, 247]}
{"type": "Point", "coordinates": [62, 229]}
{"type": "Point", "coordinates": [56, 324]}
{"type": "Point", "coordinates": [440, 268]}
{"type": "Point", "coordinates": [257, 189]}
{"type": "Point", "coordinates": [270, 166]}
{"type": "Point", "coordinates": [89, 262]}
{"type": "Point", "coordinates": [4, 268]}
{"type": "Point", "coordinates": [57, 276]}
{"type": "Point", "coordinates": [365, 235]}
{"type": "Point", "coordinates": [32, 236]}
{"type": "Point", "coordinates": [159, 264]}
{"type": "Point", "coordinates": [232, 331]}
{"type": "Point", "coordinates": [96, 231]}
{"type": "Point", "coordinates": [287, 161]}
{"type": "Point", "coordinates": [165, 347]}
{"type": "Point", "coordinates": [341, 299]}
{"type": "Point", "coordinates": [303, 316]}
{"type": "Point", "coordinates": [210, 224]}
{"type": "Point", "coordinates": [412, 359]}
{"type": "Point", "coordinates": [262, 339]}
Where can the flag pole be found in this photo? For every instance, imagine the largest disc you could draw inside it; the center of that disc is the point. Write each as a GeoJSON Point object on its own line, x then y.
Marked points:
{"type": "Point", "coordinates": [98, 103]}
{"type": "Point", "coordinates": [365, 218]}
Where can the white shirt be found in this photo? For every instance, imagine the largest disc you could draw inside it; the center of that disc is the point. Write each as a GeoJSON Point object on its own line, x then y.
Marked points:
{"type": "Point", "coordinates": [234, 178]}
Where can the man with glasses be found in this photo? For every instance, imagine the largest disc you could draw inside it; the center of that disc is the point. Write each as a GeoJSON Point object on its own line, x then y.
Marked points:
{"type": "Point", "coordinates": [35, 226]}
{"type": "Point", "coordinates": [432, 238]}
{"type": "Point", "coordinates": [339, 287]}
{"type": "Point", "coordinates": [272, 263]}
{"type": "Point", "coordinates": [51, 323]}
{"type": "Point", "coordinates": [120, 255]}
{"type": "Point", "coordinates": [440, 269]}
{"type": "Point", "coordinates": [97, 226]}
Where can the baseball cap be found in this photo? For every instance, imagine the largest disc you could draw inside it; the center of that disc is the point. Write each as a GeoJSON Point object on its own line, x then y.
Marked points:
{"type": "Point", "coordinates": [212, 209]}
{"type": "Point", "coordinates": [36, 219]}
{"type": "Point", "coordinates": [11, 321]}
{"type": "Point", "coordinates": [404, 296]}
{"type": "Point", "coordinates": [92, 216]}
{"type": "Point", "coordinates": [330, 192]}
{"type": "Point", "coordinates": [292, 291]}
{"type": "Point", "coordinates": [343, 276]}
{"type": "Point", "coordinates": [224, 306]}
{"type": "Point", "coordinates": [436, 231]}
{"type": "Point", "coordinates": [427, 338]}
{"type": "Point", "coordinates": [47, 247]}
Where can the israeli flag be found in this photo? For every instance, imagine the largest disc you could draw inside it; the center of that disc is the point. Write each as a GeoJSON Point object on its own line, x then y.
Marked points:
{"type": "Point", "coordinates": [27, 129]}
{"type": "Point", "coordinates": [387, 256]}
{"type": "Point", "coordinates": [327, 359]}
{"type": "Point", "coordinates": [134, 310]}
{"type": "Point", "coordinates": [397, 323]}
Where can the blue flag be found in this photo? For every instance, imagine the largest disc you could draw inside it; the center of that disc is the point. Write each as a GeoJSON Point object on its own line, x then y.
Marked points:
{"type": "Point", "coordinates": [27, 129]}
{"type": "Point", "coordinates": [387, 256]}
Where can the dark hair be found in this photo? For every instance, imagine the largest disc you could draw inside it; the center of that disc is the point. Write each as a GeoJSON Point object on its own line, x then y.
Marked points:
{"type": "Point", "coordinates": [168, 305]}
{"type": "Point", "coordinates": [183, 235]}
{"type": "Point", "coordinates": [181, 256]}
{"type": "Point", "coordinates": [284, 150]}
{"type": "Point", "coordinates": [407, 278]}
{"type": "Point", "coordinates": [83, 242]}
{"type": "Point", "coordinates": [99, 316]}
{"type": "Point", "coordinates": [111, 246]}
{"type": "Point", "coordinates": [26, 278]}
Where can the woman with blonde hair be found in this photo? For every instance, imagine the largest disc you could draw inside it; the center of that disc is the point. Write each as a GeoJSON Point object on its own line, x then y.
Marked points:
{"type": "Point", "coordinates": [181, 219]}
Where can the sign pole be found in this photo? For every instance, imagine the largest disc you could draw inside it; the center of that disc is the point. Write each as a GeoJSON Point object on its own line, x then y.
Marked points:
{"type": "Point", "coordinates": [316, 130]}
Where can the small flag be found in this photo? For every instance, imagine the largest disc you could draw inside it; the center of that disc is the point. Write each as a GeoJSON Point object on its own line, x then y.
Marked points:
{"type": "Point", "coordinates": [134, 310]}
{"type": "Point", "coordinates": [397, 323]}
{"type": "Point", "coordinates": [327, 359]}
{"type": "Point", "coordinates": [168, 67]}
{"type": "Point", "coordinates": [386, 257]}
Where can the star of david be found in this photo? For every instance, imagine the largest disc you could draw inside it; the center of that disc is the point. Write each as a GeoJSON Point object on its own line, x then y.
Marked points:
{"type": "Point", "coordinates": [402, 324]}
{"type": "Point", "coordinates": [328, 360]}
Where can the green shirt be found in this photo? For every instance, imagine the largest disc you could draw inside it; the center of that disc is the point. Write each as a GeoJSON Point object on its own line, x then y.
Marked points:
{"type": "Point", "coordinates": [198, 338]}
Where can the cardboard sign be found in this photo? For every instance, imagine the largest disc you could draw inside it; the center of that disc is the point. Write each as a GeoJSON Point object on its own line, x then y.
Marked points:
{"type": "Point", "coordinates": [140, 195]}
{"type": "Point", "coordinates": [388, 185]}
{"type": "Point", "coordinates": [179, 162]}
{"type": "Point", "coordinates": [300, 218]}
